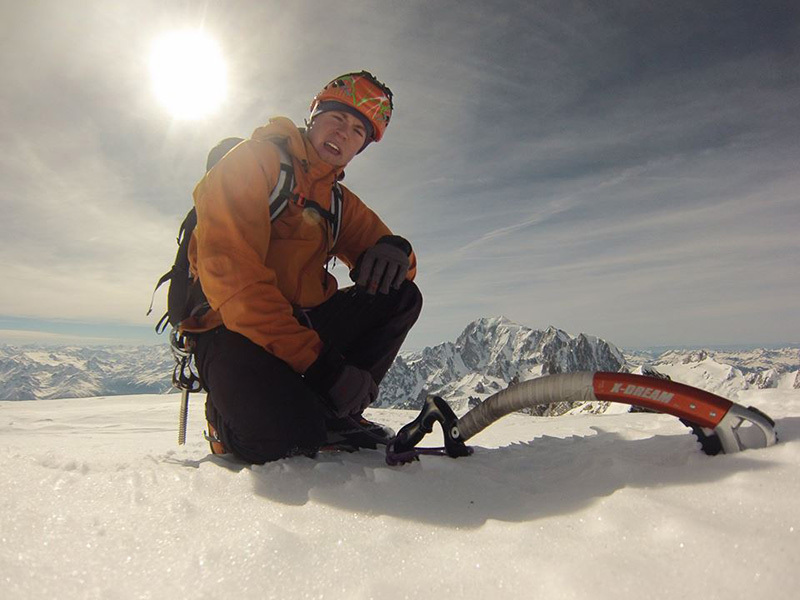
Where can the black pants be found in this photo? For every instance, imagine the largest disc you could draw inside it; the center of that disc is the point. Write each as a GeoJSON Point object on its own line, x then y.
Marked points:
{"type": "Point", "coordinates": [261, 408]}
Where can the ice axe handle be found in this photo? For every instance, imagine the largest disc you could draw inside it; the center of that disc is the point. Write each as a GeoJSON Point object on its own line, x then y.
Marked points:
{"type": "Point", "coordinates": [434, 410]}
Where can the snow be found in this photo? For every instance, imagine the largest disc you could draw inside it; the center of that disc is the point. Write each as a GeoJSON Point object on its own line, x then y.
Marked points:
{"type": "Point", "coordinates": [100, 502]}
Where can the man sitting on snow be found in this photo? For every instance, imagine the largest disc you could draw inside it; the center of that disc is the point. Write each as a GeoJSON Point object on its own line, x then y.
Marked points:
{"type": "Point", "coordinates": [291, 362]}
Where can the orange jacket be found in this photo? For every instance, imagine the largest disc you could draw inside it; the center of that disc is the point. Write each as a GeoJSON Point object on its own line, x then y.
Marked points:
{"type": "Point", "coordinates": [252, 271]}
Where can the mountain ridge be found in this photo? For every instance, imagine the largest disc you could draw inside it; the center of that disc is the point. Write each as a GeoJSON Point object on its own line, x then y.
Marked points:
{"type": "Point", "coordinates": [488, 355]}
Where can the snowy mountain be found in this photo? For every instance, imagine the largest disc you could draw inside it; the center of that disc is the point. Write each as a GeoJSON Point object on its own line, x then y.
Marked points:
{"type": "Point", "coordinates": [726, 372]}
{"type": "Point", "coordinates": [490, 354]}
{"type": "Point", "coordinates": [33, 373]}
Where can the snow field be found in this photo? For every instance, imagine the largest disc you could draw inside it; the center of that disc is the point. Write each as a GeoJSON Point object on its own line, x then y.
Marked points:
{"type": "Point", "coordinates": [100, 502]}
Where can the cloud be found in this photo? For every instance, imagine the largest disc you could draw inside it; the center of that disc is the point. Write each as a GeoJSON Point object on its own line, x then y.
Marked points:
{"type": "Point", "coordinates": [76, 240]}
{"type": "Point", "coordinates": [628, 171]}
{"type": "Point", "coordinates": [23, 337]}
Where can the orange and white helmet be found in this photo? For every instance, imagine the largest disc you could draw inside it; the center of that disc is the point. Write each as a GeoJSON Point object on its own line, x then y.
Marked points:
{"type": "Point", "coordinates": [360, 92]}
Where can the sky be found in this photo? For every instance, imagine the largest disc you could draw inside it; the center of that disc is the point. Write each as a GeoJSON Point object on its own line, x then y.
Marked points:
{"type": "Point", "coordinates": [624, 169]}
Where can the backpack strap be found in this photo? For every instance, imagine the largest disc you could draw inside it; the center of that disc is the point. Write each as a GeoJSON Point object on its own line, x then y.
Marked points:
{"type": "Point", "coordinates": [282, 192]}
{"type": "Point", "coordinates": [337, 200]}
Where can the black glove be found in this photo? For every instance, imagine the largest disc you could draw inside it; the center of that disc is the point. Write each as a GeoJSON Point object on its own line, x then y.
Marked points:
{"type": "Point", "coordinates": [348, 389]}
{"type": "Point", "coordinates": [353, 391]}
{"type": "Point", "coordinates": [384, 265]}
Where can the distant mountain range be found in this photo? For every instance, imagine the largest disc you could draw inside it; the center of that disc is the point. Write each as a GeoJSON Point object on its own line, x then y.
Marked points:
{"type": "Point", "coordinates": [489, 354]}
{"type": "Point", "coordinates": [39, 373]}
{"type": "Point", "coordinates": [492, 353]}
{"type": "Point", "coordinates": [726, 372]}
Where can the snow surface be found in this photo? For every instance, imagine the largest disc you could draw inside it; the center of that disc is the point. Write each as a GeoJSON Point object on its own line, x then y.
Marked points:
{"type": "Point", "coordinates": [100, 502]}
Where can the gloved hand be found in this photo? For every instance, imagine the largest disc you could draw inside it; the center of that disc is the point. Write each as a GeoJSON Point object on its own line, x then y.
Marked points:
{"type": "Point", "coordinates": [348, 389]}
{"type": "Point", "coordinates": [354, 390]}
{"type": "Point", "coordinates": [384, 266]}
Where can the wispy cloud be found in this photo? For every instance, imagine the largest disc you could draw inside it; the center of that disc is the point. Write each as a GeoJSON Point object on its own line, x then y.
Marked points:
{"type": "Point", "coordinates": [22, 337]}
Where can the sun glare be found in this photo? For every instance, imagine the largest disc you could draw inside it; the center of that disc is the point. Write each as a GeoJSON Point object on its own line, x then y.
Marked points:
{"type": "Point", "coordinates": [188, 74]}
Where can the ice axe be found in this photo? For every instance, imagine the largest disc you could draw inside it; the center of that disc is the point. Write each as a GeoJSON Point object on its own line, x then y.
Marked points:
{"type": "Point", "coordinates": [720, 424]}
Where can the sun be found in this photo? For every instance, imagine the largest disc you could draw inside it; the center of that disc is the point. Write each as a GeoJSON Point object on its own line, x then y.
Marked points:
{"type": "Point", "coordinates": [188, 74]}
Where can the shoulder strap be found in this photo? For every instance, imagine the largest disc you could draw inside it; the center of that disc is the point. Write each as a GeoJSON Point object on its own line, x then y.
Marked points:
{"type": "Point", "coordinates": [337, 198]}
{"type": "Point", "coordinates": [282, 192]}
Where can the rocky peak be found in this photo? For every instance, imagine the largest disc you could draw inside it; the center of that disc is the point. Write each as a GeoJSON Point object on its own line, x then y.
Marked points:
{"type": "Point", "coordinates": [487, 356]}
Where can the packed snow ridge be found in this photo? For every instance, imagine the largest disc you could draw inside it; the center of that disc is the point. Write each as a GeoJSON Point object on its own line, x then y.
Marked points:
{"type": "Point", "coordinates": [488, 356]}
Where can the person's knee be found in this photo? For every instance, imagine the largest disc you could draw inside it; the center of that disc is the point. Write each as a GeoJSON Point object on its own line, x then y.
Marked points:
{"type": "Point", "coordinates": [410, 300]}
{"type": "Point", "coordinates": [259, 438]}
{"type": "Point", "coordinates": [264, 409]}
